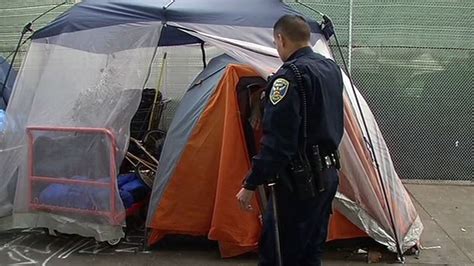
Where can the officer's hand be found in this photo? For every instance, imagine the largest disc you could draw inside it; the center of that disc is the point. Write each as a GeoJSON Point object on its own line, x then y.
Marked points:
{"type": "Point", "coordinates": [244, 197]}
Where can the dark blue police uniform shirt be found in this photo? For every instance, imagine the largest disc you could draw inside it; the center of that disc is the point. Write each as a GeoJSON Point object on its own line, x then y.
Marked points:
{"type": "Point", "coordinates": [282, 117]}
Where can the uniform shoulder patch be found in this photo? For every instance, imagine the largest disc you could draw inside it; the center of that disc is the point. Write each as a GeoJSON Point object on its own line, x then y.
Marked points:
{"type": "Point", "coordinates": [279, 90]}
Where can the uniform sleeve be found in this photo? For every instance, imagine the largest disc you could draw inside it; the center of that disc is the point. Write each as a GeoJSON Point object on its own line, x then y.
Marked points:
{"type": "Point", "coordinates": [281, 123]}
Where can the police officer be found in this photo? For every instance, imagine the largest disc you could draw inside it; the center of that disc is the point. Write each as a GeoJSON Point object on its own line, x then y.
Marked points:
{"type": "Point", "coordinates": [303, 221]}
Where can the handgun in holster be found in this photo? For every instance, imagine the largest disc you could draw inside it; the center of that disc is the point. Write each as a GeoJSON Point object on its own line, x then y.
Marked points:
{"type": "Point", "coordinates": [320, 162]}
{"type": "Point", "coordinates": [317, 167]}
{"type": "Point", "coordinates": [302, 177]}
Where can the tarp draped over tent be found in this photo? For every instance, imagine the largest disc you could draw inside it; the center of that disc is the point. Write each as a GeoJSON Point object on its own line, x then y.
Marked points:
{"type": "Point", "coordinates": [87, 69]}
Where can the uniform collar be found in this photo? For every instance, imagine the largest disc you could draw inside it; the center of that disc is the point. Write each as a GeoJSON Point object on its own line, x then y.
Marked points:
{"type": "Point", "coordinates": [300, 52]}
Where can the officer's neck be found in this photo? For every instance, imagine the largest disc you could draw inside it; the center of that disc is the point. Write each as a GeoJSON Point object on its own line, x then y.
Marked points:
{"type": "Point", "coordinates": [293, 49]}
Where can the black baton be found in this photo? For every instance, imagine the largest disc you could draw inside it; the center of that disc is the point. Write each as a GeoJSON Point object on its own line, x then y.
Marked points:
{"type": "Point", "coordinates": [275, 220]}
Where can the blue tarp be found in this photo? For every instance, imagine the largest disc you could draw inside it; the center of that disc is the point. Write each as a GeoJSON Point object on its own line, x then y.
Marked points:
{"type": "Point", "coordinates": [102, 13]}
{"type": "Point", "coordinates": [5, 96]}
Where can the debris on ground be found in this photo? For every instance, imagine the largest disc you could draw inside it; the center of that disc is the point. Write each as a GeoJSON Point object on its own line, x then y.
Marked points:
{"type": "Point", "coordinates": [433, 247]}
{"type": "Point", "coordinates": [361, 251]}
{"type": "Point", "coordinates": [374, 256]}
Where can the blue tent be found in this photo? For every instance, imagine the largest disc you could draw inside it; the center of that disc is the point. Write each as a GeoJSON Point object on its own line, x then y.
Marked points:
{"type": "Point", "coordinates": [4, 66]}
{"type": "Point", "coordinates": [102, 13]}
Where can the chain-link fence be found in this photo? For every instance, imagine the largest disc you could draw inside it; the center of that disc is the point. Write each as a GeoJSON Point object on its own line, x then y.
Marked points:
{"type": "Point", "coordinates": [14, 15]}
{"type": "Point", "coordinates": [412, 61]}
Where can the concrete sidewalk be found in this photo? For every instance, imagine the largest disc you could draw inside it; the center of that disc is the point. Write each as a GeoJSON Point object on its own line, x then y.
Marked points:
{"type": "Point", "coordinates": [448, 238]}
{"type": "Point", "coordinates": [447, 213]}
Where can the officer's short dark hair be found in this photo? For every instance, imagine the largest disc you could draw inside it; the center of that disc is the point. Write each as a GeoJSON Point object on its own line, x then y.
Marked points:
{"type": "Point", "coordinates": [294, 27]}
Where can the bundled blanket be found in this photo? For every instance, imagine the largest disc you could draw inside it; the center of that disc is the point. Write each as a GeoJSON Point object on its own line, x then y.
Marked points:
{"type": "Point", "coordinates": [131, 189]}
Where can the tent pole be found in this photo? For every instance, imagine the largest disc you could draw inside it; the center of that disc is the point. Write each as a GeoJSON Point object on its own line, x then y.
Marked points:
{"type": "Point", "coordinates": [399, 250]}
{"type": "Point", "coordinates": [159, 87]}
{"type": "Point", "coordinates": [47, 11]}
{"type": "Point", "coordinates": [377, 166]}
{"type": "Point", "coordinates": [328, 22]}
{"type": "Point", "coordinates": [26, 28]}
{"type": "Point", "coordinates": [203, 51]}
{"type": "Point", "coordinates": [12, 53]}
{"type": "Point", "coordinates": [349, 42]}
{"type": "Point", "coordinates": [4, 84]}
{"type": "Point", "coordinates": [168, 5]}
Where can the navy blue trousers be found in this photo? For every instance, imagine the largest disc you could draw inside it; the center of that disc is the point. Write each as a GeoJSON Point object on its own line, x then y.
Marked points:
{"type": "Point", "coordinates": [303, 225]}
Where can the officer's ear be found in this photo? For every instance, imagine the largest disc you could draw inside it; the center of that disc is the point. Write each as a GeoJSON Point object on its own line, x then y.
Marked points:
{"type": "Point", "coordinates": [281, 39]}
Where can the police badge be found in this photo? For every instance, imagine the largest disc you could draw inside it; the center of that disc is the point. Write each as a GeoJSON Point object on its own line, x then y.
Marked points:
{"type": "Point", "coordinates": [279, 89]}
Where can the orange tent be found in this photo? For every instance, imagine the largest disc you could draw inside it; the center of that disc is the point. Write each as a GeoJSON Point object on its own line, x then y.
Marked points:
{"type": "Point", "coordinates": [206, 156]}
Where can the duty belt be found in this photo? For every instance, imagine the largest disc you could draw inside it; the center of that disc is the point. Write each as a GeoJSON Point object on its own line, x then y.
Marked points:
{"type": "Point", "coordinates": [330, 160]}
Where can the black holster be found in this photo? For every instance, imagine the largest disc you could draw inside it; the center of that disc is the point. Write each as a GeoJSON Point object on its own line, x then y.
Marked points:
{"type": "Point", "coordinates": [317, 167]}
{"type": "Point", "coordinates": [306, 171]}
{"type": "Point", "coordinates": [302, 177]}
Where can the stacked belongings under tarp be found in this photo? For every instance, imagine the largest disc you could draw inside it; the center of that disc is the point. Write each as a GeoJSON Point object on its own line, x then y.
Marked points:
{"type": "Point", "coordinates": [74, 194]}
